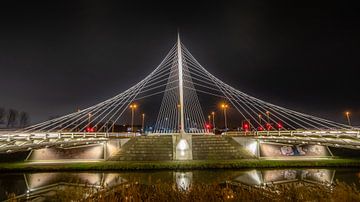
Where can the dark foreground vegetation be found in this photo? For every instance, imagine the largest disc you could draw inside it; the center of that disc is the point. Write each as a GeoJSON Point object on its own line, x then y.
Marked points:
{"type": "Point", "coordinates": [299, 191]}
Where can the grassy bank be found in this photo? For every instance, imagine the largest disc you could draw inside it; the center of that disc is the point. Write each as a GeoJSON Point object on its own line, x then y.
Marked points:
{"type": "Point", "coordinates": [176, 165]}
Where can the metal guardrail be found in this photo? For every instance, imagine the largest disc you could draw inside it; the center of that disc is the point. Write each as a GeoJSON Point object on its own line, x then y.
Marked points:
{"type": "Point", "coordinates": [12, 142]}
{"type": "Point", "coordinates": [22, 141]}
{"type": "Point", "coordinates": [344, 139]}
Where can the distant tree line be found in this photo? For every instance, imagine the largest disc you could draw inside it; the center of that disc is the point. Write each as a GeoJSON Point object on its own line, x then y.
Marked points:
{"type": "Point", "coordinates": [12, 118]}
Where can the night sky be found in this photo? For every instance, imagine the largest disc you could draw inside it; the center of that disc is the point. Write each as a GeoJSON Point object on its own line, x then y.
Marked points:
{"type": "Point", "coordinates": [58, 57]}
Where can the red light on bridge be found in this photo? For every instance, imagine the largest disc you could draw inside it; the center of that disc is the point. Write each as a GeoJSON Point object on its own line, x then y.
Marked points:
{"type": "Point", "coordinates": [260, 128]}
{"type": "Point", "coordinates": [207, 126]}
{"type": "Point", "coordinates": [279, 125]}
{"type": "Point", "coordinates": [245, 126]}
{"type": "Point", "coordinates": [268, 126]}
{"type": "Point", "coordinates": [90, 129]}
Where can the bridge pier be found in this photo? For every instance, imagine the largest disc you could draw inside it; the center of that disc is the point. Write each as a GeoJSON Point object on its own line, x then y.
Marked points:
{"type": "Point", "coordinates": [182, 146]}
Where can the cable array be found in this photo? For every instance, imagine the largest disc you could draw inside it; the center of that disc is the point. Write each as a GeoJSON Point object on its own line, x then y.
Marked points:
{"type": "Point", "coordinates": [257, 114]}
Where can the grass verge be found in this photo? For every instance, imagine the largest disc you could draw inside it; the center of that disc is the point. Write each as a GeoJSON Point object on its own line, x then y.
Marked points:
{"type": "Point", "coordinates": [176, 165]}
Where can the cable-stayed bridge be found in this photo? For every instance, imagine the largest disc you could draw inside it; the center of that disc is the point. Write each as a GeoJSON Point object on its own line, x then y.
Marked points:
{"type": "Point", "coordinates": [180, 80]}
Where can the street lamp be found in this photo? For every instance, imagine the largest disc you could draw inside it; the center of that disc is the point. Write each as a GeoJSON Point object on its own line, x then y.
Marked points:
{"type": "Point", "coordinates": [348, 117]}
{"type": "Point", "coordinates": [213, 119]}
{"type": "Point", "coordinates": [268, 116]}
{"type": "Point", "coordinates": [209, 124]}
{"type": "Point", "coordinates": [224, 107]}
{"type": "Point", "coordinates": [268, 124]}
{"type": "Point", "coordinates": [260, 119]}
{"type": "Point", "coordinates": [132, 107]}
{"type": "Point", "coordinates": [143, 121]}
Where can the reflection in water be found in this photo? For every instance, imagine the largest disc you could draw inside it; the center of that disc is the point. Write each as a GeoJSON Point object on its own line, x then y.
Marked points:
{"type": "Point", "coordinates": [258, 178]}
{"type": "Point", "coordinates": [34, 184]}
{"type": "Point", "coordinates": [183, 180]}
{"type": "Point", "coordinates": [38, 181]}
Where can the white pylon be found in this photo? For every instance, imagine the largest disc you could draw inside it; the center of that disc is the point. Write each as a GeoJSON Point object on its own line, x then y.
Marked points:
{"type": "Point", "coordinates": [181, 89]}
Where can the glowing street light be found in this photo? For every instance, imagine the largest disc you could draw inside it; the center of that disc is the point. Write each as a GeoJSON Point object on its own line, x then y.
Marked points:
{"type": "Point", "coordinates": [224, 107]}
{"type": "Point", "coordinates": [348, 117]}
{"type": "Point", "coordinates": [132, 107]}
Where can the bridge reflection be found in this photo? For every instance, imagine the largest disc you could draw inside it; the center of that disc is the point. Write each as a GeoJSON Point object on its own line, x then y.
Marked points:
{"type": "Point", "coordinates": [42, 185]}
{"type": "Point", "coordinates": [262, 178]}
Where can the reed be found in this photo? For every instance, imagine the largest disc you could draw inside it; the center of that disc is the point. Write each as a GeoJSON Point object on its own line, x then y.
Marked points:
{"type": "Point", "coordinates": [298, 191]}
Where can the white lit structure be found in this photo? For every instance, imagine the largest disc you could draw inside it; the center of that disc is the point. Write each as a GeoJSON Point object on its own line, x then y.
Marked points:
{"type": "Point", "coordinates": [181, 86]}
{"type": "Point", "coordinates": [180, 77]}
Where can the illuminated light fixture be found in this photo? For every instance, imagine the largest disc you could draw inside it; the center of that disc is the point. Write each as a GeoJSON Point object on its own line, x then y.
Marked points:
{"type": "Point", "coordinates": [268, 126]}
{"type": "Point", "coordinates": [90, 129]}
{"type": "Point", "coordinates": [182, 146]}
{"type": "Point", "coordinates": [252, 147]}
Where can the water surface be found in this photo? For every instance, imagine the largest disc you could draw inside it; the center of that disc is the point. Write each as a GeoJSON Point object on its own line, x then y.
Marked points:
{"type": "Point", "coordinates": [38, 184]}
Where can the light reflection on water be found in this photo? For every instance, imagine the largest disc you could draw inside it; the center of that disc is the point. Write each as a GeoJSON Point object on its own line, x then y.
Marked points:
{"type": "Point", "coordinates": [34, 183]}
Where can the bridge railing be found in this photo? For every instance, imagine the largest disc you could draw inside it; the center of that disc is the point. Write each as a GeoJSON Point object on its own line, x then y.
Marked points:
{"type": "Point", "coordinates": [303, 133]}
{"type": "Point", "coordinates": [346, 139]}
{"type": "Point", "coordinates": [57, 135]}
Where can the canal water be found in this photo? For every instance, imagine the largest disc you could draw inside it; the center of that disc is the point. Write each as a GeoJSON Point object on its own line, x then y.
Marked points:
{"type": "Point", "coordinates": [35, 185]}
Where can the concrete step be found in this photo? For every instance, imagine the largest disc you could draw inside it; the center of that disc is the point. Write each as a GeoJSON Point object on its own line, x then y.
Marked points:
{"type": "Point", "coordinates": [150, 148]}
{"type": "Point", "coordinates": [210, 142]}
{"type": "Point", "coordinates": [144, 159]}
{"type": "Point", "coordinates": [145, 155]}
{"type": "Point", "coordinates": [149, 152]}
{"type": "Point", "coordinates": [213, 145]}
{"type": "Point", "coordinates": [134, 148]}
{"type": "Point", "coordinates": [232, 151]}
{"type": "Point", "coordinates": [216, 147]}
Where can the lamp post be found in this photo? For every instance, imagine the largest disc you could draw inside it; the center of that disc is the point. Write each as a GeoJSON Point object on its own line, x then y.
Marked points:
{"type": "Point", "coordinates": [348, 117]}
{"type": "Point", "coordinates": [209, 123]}
{"type": "Point", "coordinates": [224, 107]}
{"type": "Point", "coordinates": [143, 121]}
{"type": "Point", "coordinates": [213, 121]}
{"type": "Point", "coordinates": [132, 107]}
{"type": "Point", "coordinates": [260, 119]}
{"type": "Point", "coordinates": [268, 116]}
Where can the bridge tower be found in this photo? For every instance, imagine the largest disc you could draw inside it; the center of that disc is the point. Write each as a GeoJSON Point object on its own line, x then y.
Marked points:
{"type": "Point", "coordinates": [183, 148]}
{"type": "Point", "coordinates": [181, 87]}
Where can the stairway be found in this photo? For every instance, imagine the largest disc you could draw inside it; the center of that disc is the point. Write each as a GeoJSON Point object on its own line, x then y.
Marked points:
{"type": "Point", "coordinates": [214, 147]}
{"type": "Point", "coordinates": [146, 148]}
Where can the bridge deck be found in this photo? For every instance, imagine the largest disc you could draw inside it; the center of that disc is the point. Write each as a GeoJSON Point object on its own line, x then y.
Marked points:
{"type": "Point", "coordinates": [12, 142]}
